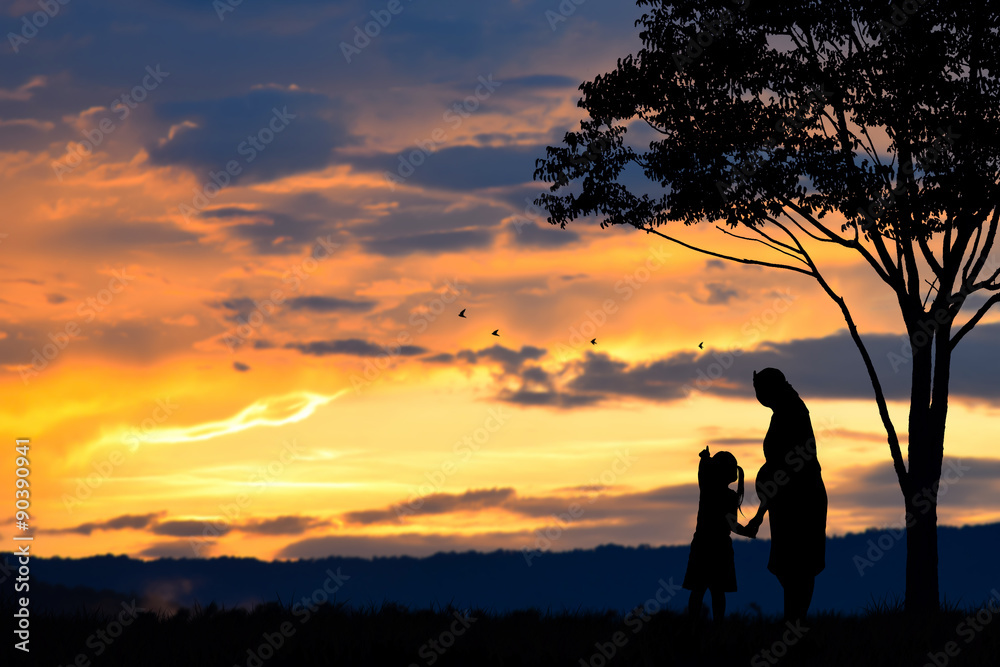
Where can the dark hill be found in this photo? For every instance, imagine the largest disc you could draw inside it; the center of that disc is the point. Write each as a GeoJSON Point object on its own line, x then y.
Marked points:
{"type": "Point", "coordinates": [860, 568]}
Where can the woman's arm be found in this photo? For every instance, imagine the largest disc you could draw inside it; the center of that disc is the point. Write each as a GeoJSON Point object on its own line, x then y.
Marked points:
{"type": "Point", "coordinates": [764, 475]}
{"type": "Point", "coordinates": [754, 524]}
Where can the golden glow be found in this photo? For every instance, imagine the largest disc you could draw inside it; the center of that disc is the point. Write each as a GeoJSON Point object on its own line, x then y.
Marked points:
{"type": "Point", "coordinates": [266, 412]}
{"type": "Point", "coordinates": [342, 439]}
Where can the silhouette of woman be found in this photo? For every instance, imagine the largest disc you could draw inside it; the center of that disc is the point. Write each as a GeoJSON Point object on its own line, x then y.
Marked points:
{"type": "Point", "coordinates": [711, 565]}
{"type": "Point", "coordinates": [790, 488]}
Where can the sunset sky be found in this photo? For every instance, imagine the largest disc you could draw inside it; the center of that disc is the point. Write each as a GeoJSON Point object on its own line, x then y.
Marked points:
{"type": "Point", "coordinates": [227, 331]}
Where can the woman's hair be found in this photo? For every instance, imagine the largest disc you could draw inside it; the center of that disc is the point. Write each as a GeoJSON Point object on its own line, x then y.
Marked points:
{"type": "Point", "coordinates": [775, 381]}
{"type": "Point", "coordinates": [726, 463]}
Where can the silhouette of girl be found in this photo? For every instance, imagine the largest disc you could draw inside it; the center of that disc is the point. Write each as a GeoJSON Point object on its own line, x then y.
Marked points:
{"type": "Point", "coordinates": [790, 488]}
{"type": "Point", "coordinates": [710, 564]}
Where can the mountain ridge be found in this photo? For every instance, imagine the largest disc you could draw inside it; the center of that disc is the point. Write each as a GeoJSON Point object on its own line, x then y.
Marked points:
{"type": "Point", "coordinates": [862, 569]}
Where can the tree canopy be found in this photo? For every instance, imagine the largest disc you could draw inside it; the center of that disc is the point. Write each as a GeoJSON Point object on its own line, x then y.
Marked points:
{"type": "Point", "coordinates": [869, 125]}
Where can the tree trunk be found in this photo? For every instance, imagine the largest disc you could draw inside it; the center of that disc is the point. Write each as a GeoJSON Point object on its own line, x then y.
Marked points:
{"type": "Point", "coordinates": [922, 594]}
{"type": "Point", "coordinates": [928, 412]}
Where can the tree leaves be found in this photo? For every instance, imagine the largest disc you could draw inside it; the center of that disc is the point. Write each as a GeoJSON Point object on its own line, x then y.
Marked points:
{"type": "Point", "coordinates": [780, 92]}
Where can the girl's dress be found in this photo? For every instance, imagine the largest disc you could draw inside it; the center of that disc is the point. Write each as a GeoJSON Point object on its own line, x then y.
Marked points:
{"type": "Point", "coordinates": [711, 564]}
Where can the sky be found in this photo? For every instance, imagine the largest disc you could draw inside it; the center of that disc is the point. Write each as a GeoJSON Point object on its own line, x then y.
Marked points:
{"type": "Point", "coordinates": [237, 240]}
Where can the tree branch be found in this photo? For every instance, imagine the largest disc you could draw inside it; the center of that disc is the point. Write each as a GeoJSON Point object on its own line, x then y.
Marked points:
{"type": "Point", "coordinates": [967, 327]}
{"type": "Point", "coordinates": [648, 122]}
{"type": "Point", "coordinates": [882, 271]}
{"type": "Point", "coordinates": [987, 246]}
{"type": "Point", "coordinates": [883, 408]}
{"type": "Point", "coordinates": [972, 255]}
{"type": "Point", "coordinates": [772, 247]}
{"type": "Point", "coordinates": [810, 234]}
{"type": "Point", "coordinates": [650, 230]}
{"type": "Point", "coordinates": [928, 254]}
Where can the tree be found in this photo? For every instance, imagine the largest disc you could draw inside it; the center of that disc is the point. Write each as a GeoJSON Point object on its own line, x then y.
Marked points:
{"type": "Point", "coordinates": [777, 115]}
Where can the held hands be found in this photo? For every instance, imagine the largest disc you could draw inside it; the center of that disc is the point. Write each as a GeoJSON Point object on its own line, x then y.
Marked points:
{"type": "Point", "coordinates": [750, 530]}
{"type": "Point", "coordinates": [704, 453]}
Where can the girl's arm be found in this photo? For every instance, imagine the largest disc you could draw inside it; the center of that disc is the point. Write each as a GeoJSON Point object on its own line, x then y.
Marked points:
{"type": "Point", "coordinates": [702, 464]}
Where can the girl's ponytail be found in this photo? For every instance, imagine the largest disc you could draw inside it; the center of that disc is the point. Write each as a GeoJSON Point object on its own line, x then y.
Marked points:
{"type": "Point", "coordinates": [739, 488]}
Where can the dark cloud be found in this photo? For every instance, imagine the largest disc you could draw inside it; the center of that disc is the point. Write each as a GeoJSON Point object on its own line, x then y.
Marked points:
{"type": "Point", "coordinates": [368, 517]}
{"type": "Point", "coordinates": [241, 367]}
{"type": "Point", "coordinates": [264, 43]}
{"type": "Point", "coordinates": [241, 307]}
{"type": "Point", "coordinates": [599, 505]}
{"type": "Point", "coordinates": [458, 168]}
{"type": "Point", "coordinates": [22, 134]}
{"type": "Point", "coordinates": [269, 133]}
{"type": "Point", "coordinates": [134, 521]}
{"type": "Point", "coordinates": [329, 304]}
{"type": "Point", "coordinates": [436, 503]}
{"type": "Point", "coordinates": [442, 358]}
{"type": "Point", "coordinates": [353, 346]}
{"type": "Point", "coordinates": [278, 233]}
{"type": "Point", "coordinates": [718, 294]}
{"type": "Point", "coordinates": [510, 360]}
{"type": "Point", "coordinates": [526, 233]}
{"type": "Point", "coordinates": [589, 514]}
{"type": "Point", "coordinates": [827, 367]}
{"type": "Point", "coordinates": [56, 299]}
{"type": "Point", "coordinates": [190, 528]}
{"type": "Point", "coordinates": [583, 519]}
{"type": "Point", "coordinates": [433, 242]}
{"type": "Point", "coordinates": [418, 217]}
{"type": "Point", "coordinates": [124, 522]}
{"type": "Point", "coordinates": [965, 483]}
{"type": "Point", "coordinates": [598, 374]}
{"type": "Point", "coordinates": [444, 503]}
{"type": "Point", "coordinates": [282, 525]}
{"type": "Point", "coordinates": [537, 375]}
{"type": "Point", "coordinates": [543, 81]}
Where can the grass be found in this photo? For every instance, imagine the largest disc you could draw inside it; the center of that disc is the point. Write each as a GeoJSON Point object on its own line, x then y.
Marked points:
{"type": "Point", "coordinates": [390, 634]}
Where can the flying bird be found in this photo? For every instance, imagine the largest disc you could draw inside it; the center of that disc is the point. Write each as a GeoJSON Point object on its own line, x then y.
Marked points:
{"type": "Point", "coordinates": [593, 341]}
{"type": "Point", "coordinates": [701, 346]}
{"type": "Point", "coordinates": [462, 314]}
{"type": "Point", "coordinates": [495, 333]}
